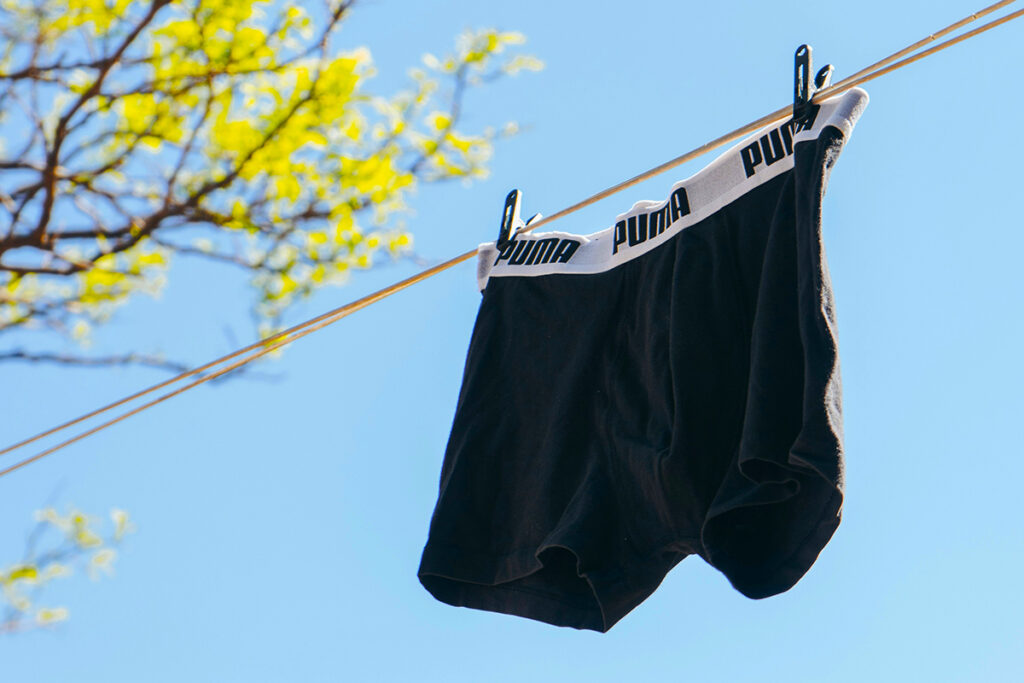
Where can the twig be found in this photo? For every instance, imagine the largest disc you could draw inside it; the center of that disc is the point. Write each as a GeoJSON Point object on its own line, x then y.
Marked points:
{"type": "Point", "coordinates": [95, 361]}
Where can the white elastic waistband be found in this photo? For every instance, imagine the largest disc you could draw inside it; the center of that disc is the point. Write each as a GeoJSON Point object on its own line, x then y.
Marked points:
{"type": "Point", "coordinates": [648, 224]}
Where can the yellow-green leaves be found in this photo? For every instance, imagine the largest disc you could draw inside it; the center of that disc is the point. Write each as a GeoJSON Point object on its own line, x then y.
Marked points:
{"type": "Point", "coordinates": [122, 523]}
{"type": "Point", "coordinates": [99, 290]}
{"type": "Point", "coordinates": [59, 542]}
{"type": "Point", "coordinates": [48, 616]}
{"type": "Point", "coordinates": [237, 131]}
{"type": "Point", "coordinates": [475, 48]}
{"type": "Point", "coordinates": [28, 573]}
{"type": "Point", "coordinates": [97, 15]}
{"type": "Point", "coordinates": [148, 118]}
{"type": "Point", "coordinates": [523, 63]}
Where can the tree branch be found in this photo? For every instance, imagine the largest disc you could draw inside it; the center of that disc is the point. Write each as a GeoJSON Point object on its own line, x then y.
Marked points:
{"type": "Point", "coordinates": [96, 361]}
{"type": "Point", "coordinates": [212, 255]}
{"type": "Point", "coordinates": [53, 157]}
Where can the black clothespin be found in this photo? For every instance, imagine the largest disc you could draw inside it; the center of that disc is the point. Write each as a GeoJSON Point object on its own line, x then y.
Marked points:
{"type": "Point", "coordinates": [802, 89]}
{"type": "Point", "coordinates": [511, 223]}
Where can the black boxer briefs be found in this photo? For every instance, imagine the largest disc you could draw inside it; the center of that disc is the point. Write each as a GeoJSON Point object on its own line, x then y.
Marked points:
{"type": "Point", "coordinates": [666, 387]}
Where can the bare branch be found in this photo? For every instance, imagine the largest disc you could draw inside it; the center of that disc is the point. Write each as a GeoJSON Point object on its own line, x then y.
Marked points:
{"type": "Point", "coordinates": [95, 361]}
{"type": "Point", "coordinates": [208, 254]}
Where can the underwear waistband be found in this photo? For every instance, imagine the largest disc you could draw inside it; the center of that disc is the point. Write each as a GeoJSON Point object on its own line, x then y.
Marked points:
{"type": "Point", "coordinates": [648, 224]}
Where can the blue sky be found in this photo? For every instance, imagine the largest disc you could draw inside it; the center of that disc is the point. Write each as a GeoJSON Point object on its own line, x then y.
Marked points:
{"type": "Point", "coordinates": [280, 522]}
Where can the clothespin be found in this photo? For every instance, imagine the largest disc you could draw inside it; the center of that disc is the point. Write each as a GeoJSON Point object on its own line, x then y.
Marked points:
{"type": "Point", "coordinates": [803, 91]}
{"type": "Point", "coordinates": [511, 222]}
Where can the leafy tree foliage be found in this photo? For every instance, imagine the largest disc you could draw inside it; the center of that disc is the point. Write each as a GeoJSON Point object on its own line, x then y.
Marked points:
{"type": "Point", "coordinates": [230, 129]}
{"type": "Point", "coordinates": [55, 547]}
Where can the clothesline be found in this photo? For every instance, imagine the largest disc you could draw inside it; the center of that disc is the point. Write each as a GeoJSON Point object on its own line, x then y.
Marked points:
{"type": "Point", "coordinates": [259, 349]}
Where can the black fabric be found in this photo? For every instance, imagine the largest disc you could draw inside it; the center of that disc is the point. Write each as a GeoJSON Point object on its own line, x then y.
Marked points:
{"type": "Point", "coordinates": [684, 402]}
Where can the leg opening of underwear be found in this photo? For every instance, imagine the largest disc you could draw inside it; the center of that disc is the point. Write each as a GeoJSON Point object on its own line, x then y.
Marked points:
{"type": "Point", "coordinates": [554, 592]}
